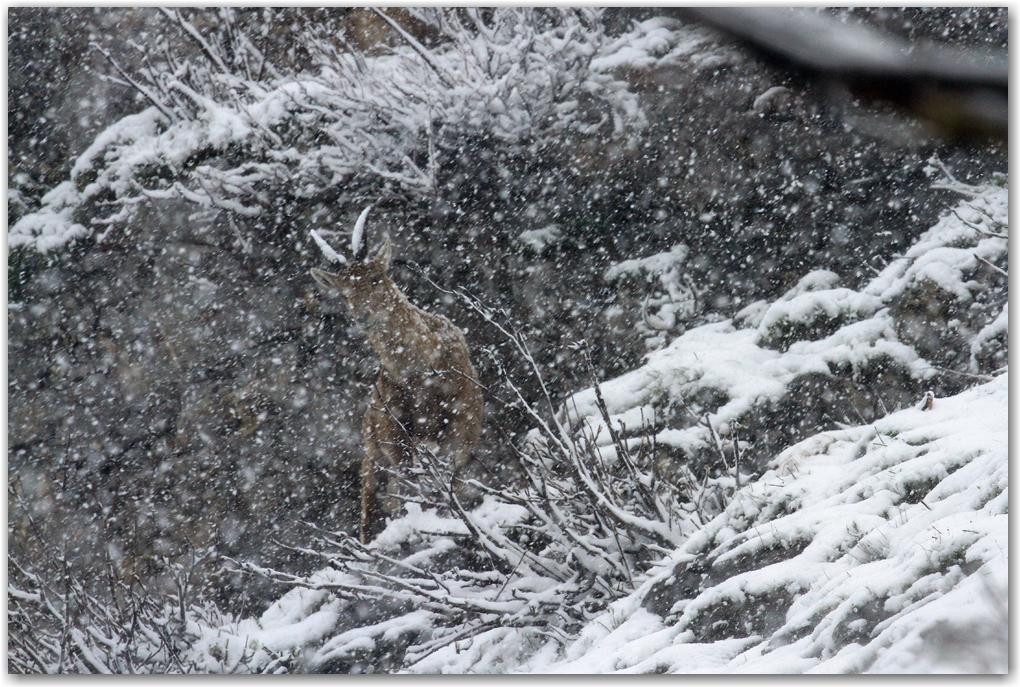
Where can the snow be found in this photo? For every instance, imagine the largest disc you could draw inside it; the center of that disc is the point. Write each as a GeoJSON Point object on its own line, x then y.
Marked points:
{"type": "Point", "coordinates": [762, 101]}
{"type": "Point", "coordinates": [416, 520]}
{"type": "Point", "coordinates": [653, 42]}
{"type": "Point", "coordinates": [873, 574]}
{"type": "Point", "coordinates": [657, 264]}
{"type": "Point", "coordinates": [997, 327]}
{"type": "Point", "coordinates": [937, 255]}
{"type": "Point", "coordinates": [739, 363]}
{"type": "Point", "coordinates": [299, 618]}
{"type": "Point", "coordinates": [129, 128]}
{"type": "Point", "coordinates": [672, 292]}
{"type": "Point", "coordinates": [924, 566]}
{"type": "Point", "coordinates": [881, 547]}
{"type": "Point", "coordinates": [515, 81]}
{"type": "Point", "coordinates": [875, 548]}
{"type": "Point", "coordinates": [538, 239]}
{"type": "Point", "coordinates": [807, 307]}
{"type": "Point", "coordinates": [52, 226]}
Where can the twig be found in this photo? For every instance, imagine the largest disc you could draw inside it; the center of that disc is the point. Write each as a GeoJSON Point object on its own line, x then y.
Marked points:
{"type": "Point", "coordinates": [415, 45]}
{"type": "Point", "coordinates": [134, 84]}
{"type": "Point", "coordinates": [997, 269]}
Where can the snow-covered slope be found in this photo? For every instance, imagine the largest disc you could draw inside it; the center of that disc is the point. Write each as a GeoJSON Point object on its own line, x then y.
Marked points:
{"type": "Point", "coordinates": [835, 341]}
{"type": "Point", "coordinates": [871, 546]}
{"type": "Point", "coordinates": [879, 548]}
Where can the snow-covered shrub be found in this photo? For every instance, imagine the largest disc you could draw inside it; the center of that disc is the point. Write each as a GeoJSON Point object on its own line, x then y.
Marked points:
{"type": "Point", "coordinates": [877, 548]}
{"type": "Point", "coordinates": [947, 292]}
{"type": "Point", "coordinates": [989, 347]}
{"type": "Point", "coordinates": [812, 310]}
{"type": "Point", "coordinates": [669, 298]}
{"type": "Point", "coordinates": [109, 622]}
{"type": "Point", "coordinates": [719, 405]}
{"type": "Point", "coordinates": [229, 131]}
{"type": "Point", "coordinates": [573, 528]}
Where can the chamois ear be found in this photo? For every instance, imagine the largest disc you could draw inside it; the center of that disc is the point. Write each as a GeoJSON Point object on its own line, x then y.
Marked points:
{"type": "Point", "coordinates": [382, 258]}
{"type": "Point", "coordinates": [326, 279]}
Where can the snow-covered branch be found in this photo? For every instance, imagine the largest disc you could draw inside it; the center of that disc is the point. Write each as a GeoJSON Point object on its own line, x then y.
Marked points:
{"type": "Point", "coordinates": [575, 529]}
{"type": "Point", "coordinates": [227, 129]}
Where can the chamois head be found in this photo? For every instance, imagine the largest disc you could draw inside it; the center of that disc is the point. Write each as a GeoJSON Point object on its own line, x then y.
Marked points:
{"type": "Point", "coordinates": [363, 282]}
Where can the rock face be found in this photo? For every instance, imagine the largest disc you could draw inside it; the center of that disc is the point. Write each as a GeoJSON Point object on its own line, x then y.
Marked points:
{"type": "Point", "coordinates": [183, 385]}
{"type": "Point", "coordinates": [184, 391]}
{"type": "Point", "coordinates": [56, 101]}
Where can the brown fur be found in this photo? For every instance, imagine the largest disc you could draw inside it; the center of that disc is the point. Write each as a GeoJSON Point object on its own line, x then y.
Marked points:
{"type": "Point", "coordinates": [427, 393]}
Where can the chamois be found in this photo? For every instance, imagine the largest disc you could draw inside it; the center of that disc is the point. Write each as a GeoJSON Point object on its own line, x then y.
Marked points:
{"type": "Point", "coordinates": [427, 393]}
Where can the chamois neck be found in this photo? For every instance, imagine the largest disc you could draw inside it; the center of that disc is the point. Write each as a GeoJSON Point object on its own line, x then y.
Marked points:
{"type": "Point", "coordinates": [405, 344]}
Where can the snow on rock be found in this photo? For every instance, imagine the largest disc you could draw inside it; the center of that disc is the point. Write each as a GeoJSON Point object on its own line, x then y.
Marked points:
{"type": "Point", "coordinates": [861, 550]}
{"type": "Point", "coordinates": [732, 368]}
{"type": "Point", "coordinates": [875, 548]}
{"type": "Point", "coordinates": [713, 356]}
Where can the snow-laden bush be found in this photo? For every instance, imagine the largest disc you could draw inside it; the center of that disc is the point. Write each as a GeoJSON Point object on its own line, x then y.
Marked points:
{"type": "Point", "coordinates": [109, 622]}
{"type": "Point", "coordinates": [568, 533]}
{"type": "Point", "coordinates": [877, 548]}
{"type": "Point", "coordinates": [672, 298]}
{"type": "Point", "coordinates": [556, 538]}
{"type": "Point", "coordinates": [228, 130]}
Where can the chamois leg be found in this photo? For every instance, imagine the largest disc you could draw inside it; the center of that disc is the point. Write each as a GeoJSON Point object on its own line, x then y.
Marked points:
{"type": "Point", "coordinates": [378, 486]}
{"type": "Point", "coordinates": [372, 517]}
{"type": "Point", "coordinates": [464, 432]}
{"type": "Point", "coordinates": [373, 476]}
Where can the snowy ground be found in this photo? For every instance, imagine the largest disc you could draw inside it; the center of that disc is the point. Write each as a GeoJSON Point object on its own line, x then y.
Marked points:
{"type": "Point", "coordinates": [880, 547]}
{"type": "Point", "coordinates": [888, 549]}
